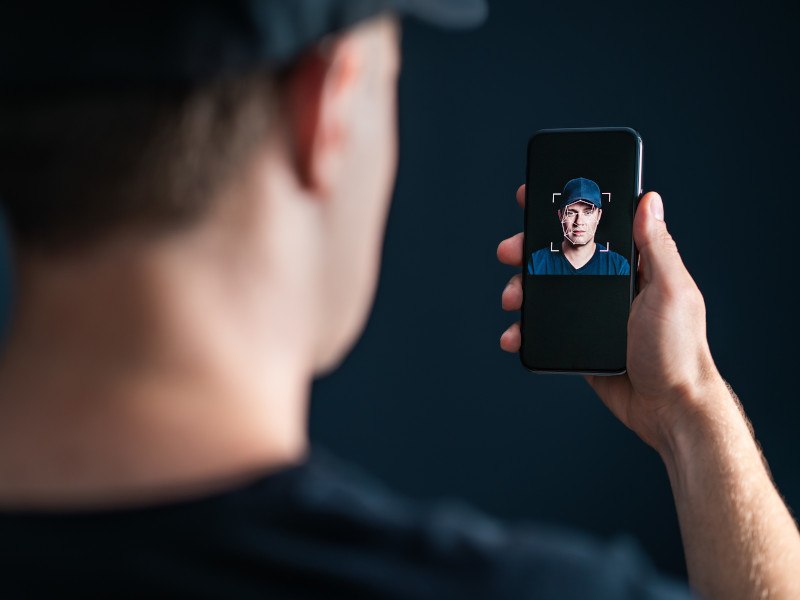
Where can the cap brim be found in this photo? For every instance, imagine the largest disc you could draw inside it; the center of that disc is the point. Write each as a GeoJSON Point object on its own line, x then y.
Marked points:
{"type": "Point", "coordinates": [456, 14]}
{"type": "Point", "coordinates": [576, 200]}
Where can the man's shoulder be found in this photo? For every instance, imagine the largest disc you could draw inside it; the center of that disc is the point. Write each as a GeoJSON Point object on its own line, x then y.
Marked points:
{"type": "Point", "coordinates": [621, 264]}
{"type": "Point", "coordinates": [542, 255]}
{"type": "Point", "coordinates": [347, 535]}
{"type": "Point", "coordinates": [542, 261]}
{"type": "Point", "coordinates": [448, 548]}
{"type": "Point", "coordinates": [464, 549]}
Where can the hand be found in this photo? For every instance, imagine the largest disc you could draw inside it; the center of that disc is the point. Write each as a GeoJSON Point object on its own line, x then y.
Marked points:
{"type": "Point", "coordinates": [669, 364]}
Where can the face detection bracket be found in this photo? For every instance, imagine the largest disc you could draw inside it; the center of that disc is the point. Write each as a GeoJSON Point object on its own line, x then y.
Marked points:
{"type": "Point", "coordinates": [556, 246]}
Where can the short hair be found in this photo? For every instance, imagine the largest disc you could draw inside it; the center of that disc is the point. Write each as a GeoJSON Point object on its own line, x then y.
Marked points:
{"type": "Point", "coordinates": [78, 166]}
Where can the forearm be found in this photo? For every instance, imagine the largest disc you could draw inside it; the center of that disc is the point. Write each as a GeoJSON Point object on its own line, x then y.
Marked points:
{"type": "Point", "coordinates": [739, 538]}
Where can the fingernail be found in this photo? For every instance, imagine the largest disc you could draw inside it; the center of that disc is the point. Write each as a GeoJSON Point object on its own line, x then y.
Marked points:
{"type": "Point", "coordinates": [657, 207]}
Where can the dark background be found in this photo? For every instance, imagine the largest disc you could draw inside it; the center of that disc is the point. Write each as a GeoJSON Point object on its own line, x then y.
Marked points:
{"type": "Point", "coordinates": [427, 401]}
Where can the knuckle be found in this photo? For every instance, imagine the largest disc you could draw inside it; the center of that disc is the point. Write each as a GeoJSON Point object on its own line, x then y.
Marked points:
{"type": "Point", "coordinates": [667, 241]}
{"type": "Point", "coordinates": [509, 299]}
{"type": "Point", "coordinates": [686, 294]}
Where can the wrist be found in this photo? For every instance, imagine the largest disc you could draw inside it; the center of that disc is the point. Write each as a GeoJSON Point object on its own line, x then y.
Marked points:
{"type": "Point", "coordinates": [705, 414]}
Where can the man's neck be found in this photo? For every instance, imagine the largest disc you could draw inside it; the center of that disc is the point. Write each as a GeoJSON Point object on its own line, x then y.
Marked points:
{"type": "Point", "coordinates": [578, 255]}
{"type": "Point", "coordinates": [134, 379]}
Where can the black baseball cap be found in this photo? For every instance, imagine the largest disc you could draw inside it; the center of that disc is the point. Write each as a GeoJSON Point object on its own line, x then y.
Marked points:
{"type": "Point", "coordinates": [54, 44]}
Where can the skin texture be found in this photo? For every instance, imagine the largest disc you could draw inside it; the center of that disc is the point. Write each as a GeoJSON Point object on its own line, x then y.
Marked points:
{"type": "Point", "coordinates": [579, 231]}
{"type": "Point", "coordinates": [579, 221]}
{"type": "Point", "coordinates": [739, 538]}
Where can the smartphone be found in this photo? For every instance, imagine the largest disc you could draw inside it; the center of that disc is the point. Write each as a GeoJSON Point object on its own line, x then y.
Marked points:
{"type": "Point", "coordinates": [579, 263]}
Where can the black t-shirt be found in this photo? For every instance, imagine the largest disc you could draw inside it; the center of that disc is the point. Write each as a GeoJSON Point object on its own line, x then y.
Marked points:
{"type": "Point", "coordinates": [317, 530]}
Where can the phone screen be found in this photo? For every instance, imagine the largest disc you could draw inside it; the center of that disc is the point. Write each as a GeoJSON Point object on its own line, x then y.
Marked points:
{"type": "Point", "coordinates": [579, 261]}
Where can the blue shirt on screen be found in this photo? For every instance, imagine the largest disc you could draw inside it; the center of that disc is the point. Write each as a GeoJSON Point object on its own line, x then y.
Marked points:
{"type": "Point", "coordinates": [547, 262]}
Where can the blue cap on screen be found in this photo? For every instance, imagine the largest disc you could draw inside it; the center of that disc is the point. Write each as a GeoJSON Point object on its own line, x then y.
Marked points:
{"type": "Point", "coordinates": [580, 190]}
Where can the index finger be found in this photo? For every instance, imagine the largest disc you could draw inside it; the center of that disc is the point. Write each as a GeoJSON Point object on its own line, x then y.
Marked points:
{"type": "Point", "coordinates": [509, 252]}
{"type": "Point", "coordinates": [521, 196]}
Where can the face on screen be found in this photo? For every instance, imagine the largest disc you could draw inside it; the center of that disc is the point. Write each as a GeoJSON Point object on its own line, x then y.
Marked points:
{"type": "Point", "coordinates": [579, 222]}
{"type": "Point", "coordinates": [583, 247]}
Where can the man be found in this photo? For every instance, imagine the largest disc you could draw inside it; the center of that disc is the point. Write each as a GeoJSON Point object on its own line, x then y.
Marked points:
{"type": "Point", "coordinates": [197, 199]}
{"type": "Point", "coordinates": [579, 212]}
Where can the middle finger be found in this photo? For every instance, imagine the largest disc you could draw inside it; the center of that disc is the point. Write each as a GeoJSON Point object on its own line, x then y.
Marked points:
{"type": "Point", "coordinates": [509, 252]}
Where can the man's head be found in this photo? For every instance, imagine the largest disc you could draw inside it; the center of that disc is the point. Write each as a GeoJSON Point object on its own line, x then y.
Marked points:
{"type": "Point", "coordinates": [580, 211]}
{"type": "Point", "coordinates": [116, 117]}
{"type": "Point", "coordinates": [84, 170]}
{"type": "Point", "coordinates": [307, 142]}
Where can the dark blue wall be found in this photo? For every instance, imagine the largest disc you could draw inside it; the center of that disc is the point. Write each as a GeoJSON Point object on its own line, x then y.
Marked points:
{"type": "Point", "coordinates": [427, 401]}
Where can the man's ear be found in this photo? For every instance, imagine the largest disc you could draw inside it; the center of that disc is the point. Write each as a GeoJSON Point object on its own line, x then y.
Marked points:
{"type": "Point", "coordinates": [599, 214]}
{"type": "Point", "coordinates": [319, 95]}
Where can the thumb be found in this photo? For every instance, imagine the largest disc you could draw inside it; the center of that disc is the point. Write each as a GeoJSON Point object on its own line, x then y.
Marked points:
{"type": "Point", "coordinates": [659, 253]}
